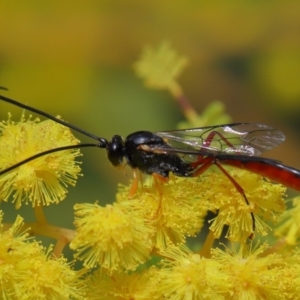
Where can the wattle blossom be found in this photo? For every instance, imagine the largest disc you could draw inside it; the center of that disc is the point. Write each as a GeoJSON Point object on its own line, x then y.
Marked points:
{"type": "Point", "coordinates": [44, 180]}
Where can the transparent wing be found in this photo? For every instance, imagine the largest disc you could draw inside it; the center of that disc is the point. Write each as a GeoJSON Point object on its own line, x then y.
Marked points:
{"type": "Point", "coordinates": [249, 139]}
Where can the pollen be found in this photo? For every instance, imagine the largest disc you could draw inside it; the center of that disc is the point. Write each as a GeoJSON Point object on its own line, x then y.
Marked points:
{"type": "Point", "coordinates": [185, 275]}
{"type": "Point", "coordinates": [266, 202]}
{"type": "Point", "coordinates": [122, 285]}
{"type": "Point", "coordinates": [117, 237]}
{"type": "Point", "coordinates": [289, 225]}
{"type": "Point", "coordinates": [28, 271]}
{"type": "Point", "coordinates": [43, 180]}
{"type": "Point", "coordinates": [255, 275]}
{"type": "Point", "coordinates": [172, 207]}
{"type": "Point", "coordinates": [47, 276]}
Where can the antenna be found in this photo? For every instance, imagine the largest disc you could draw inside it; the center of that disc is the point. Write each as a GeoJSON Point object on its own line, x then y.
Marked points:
{"type": "Point", "coordinates": [45, 153]}
{"type": "Point", "coordinates": [102, 141]}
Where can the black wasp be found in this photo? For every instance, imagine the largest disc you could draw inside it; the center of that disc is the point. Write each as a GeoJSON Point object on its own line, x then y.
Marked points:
{"type": "Point", "coordinates": [188, 152]}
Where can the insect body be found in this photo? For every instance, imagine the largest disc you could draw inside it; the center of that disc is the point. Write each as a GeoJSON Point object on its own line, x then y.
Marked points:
{"type": "Point", "coordinates": [149, 153]}
{"type": "Point", "coordinates": [189, 152]}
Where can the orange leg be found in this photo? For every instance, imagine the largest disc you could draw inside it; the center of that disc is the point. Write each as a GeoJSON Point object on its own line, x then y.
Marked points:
{"type": "Point", "coordinates": [205, 163]}
{"type": "Point", "coordinates": [158, 180]}
{"type": "Point", "coordinates": [137, 176]}
{"type": "Point", "coordinates": [241, 191]}
{"type": "Point", "coordinates": [135, 184]}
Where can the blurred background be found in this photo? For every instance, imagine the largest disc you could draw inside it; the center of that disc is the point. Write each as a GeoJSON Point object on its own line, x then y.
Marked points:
{"type": "Point", "coordinates": [74, 58]}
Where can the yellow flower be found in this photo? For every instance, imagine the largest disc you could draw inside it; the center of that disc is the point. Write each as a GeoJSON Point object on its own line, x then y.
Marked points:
{"type": "Point", "coordinates": [161, 67]}
{"type": "Point", "coordinates": [177, 208]}
{"type": "Point", "coordinates": [44, 277]}
{"type": "Point", "coordinates": [291, 276]}
{"type": "Point", "coordinates": [290, 224]}
{"type": "Point", "coordinates": [116, 237]}
{"type": "Point", "coordinates": [219, 194]}
{"type": "Point", "coordinates": [27, 272]}
{"type": "Point", "coordinates": [255, 276]}
{"type": "Point", "coordinates": [121, 285]}
{"type": "Point", "coordinates": [186, 275]}
{"type": "Point", "coordinates": [174, 209]}
{"type": "Point", "coordinates": [43, 180]}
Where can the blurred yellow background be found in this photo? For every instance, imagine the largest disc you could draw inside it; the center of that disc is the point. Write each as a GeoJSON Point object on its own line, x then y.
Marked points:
{"type": "Point", "coordinates": [74, 58]}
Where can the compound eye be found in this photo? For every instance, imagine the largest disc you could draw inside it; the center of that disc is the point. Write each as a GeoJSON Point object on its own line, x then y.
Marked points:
{"type": "Point", "coordinates": [115, 150]}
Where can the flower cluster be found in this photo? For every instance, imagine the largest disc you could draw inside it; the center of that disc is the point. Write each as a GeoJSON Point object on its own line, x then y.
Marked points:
{"type": "Point", "coordinates": [28, 270]}
{"type": "Point", "coordinates": [141, 246]}
{"type": "Point", "coordinates": [43, 180]}
{"type": "Point", "coordinates": [115, 237]}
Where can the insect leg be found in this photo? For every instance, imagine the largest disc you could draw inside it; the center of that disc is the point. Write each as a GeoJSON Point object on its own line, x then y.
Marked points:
{"type": "Point", "coordinates": [212, 135]}
{"type": "Point", "coordinates": [206, 163]}
{"type": "Point", "coordinates": [135, 183]}
{"type": "Point", "coordinates": [202, 164]}
{"type": "Point", "coordinates": [240, 190]}
{"type": "Point", "coordinates": [209, 139]}
{"type": "Point", "coordinates": [158, 180]}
